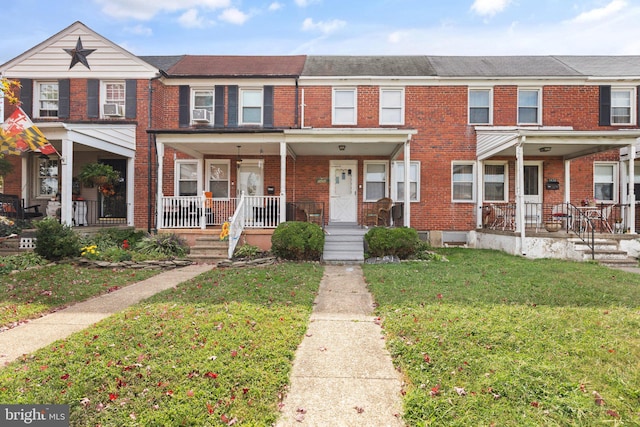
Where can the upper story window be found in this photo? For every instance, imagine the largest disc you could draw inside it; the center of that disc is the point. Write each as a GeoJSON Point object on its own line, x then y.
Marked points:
{"type": "Point", "coordinates": [251, 106]}
{"type": "Point", "coordinates": [621, 106]}
{"type": "Point", "coordinates": [462, 181]}
{"type": "Point", "coordinates": [187, 178]}
{"type": "Point", "coordinates": [495, 182]}
{"type": "Point", "coordinates": [480, 112]}
{"type": "Point", "coordinates": [47, 177]}
{"type": "Point", "coordinates": [397, 178]}
{"type": "Point", "coordinates": [218, 177]}
{"type": "Point", "coordinates": [375, 181]}
{"type": "Point", "coordinates": [48, 98]}
{"type": "Point", "coordinates": [113, 96]}
{"type": "Point", "coordinates": [344, 107]}
{"type": "Point", "coordinates": [529, 106]}
{"type": "Point", "coordinates": [202, 101]}
{"type": "Point", "coordinates": [391, 106]}
{"type": "Point", "coordinates": [605, 181]}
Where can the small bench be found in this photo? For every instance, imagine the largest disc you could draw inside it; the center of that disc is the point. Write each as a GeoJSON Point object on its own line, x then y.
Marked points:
{"type": "Point", "coordinates": [12, 206]}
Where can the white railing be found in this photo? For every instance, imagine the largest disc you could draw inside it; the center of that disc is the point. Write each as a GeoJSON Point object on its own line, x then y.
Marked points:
{"type": "Point", "coordinates": [181, 212]}
{"type": "Point", "coordinates": [236, 226]}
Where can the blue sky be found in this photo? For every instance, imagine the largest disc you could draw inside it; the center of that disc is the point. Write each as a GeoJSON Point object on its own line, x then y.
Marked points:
{"type": "Point", "coordinates": [335, 27]}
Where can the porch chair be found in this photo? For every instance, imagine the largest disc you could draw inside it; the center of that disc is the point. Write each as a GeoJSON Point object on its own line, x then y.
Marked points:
{"type": "Point", "coordinates": [502, 219]}
{"type": "Point", "coordinates": [603, 215]}
{"type": "Point", "coordinates": [383, 211]}
{"type": "Point", "coordinates": [208, 207]}
{"type": "Point", "coordinates": [560, 212]}
{"type": "Point", "coordinates": [313, 211]}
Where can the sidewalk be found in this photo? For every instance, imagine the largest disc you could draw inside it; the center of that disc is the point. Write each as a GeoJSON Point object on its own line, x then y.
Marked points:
{"type": "Point", "coordinates": [342, 373]}
{"type": "Point", "coordinates": [38, 333]}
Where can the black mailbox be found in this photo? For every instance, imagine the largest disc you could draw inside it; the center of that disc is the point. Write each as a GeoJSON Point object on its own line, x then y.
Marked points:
{"type": "Point", "coordinates": [552, 184]}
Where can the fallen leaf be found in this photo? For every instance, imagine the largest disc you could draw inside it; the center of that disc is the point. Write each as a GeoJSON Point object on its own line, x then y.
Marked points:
{"type": "Point", "coordinates": [359, 409]}
{"type": "Point", "coordinates": [435, 391]}
{"type": "Point", "coordinates": [598, 399]}
{"type": "Point", "coordinates": [460, 390]}
{"type": "Point", "coordinates": [613, 413]}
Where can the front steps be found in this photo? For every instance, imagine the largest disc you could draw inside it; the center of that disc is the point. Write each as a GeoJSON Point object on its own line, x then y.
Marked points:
{"type": "Point", "coordinates": [606, 252]}
{"type": "Point", "coordinates": [343, 243]}
{"type": "Point", "coordinates": [209, 250]}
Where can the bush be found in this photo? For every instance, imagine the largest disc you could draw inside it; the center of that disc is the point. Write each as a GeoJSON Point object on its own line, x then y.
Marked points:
{"type": "Point", "coordinates": [20, 262]}
{"type": "Point", "coordinates": [115, 237]}
{"type": "Point", "coordinates": [8, 226]}
{"type": "Point", "coordinates": [401, 242]}
{"type": "Point", "coordinates": [247, 251]}
{"type": "Point", "coordinates": [298, 241]}
{"type": "Point", "coordinates": [56, 241]}
{"type": "Point", "coordinates": [163, 244]}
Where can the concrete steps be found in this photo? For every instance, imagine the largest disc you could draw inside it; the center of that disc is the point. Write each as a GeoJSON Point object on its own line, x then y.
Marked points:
{"type": "Point", "coordinates": [343, 244]}
{"type": "Point", "coordinates": [606, 252]}
{"type": "Point", "coordinates": [209, 250]}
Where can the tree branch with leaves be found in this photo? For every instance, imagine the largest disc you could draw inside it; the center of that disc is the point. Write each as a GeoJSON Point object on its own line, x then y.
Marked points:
{"type": "Point", "coordinates": [8, 88]}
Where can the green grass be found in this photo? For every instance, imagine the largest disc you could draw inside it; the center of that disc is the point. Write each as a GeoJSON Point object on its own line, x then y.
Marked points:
{"type": "Point", "coordinates": [491, 339]}
{"type": "Point", "coordinates": [38, 291]}
{"type": "Point", "coordinates": [216, 350]}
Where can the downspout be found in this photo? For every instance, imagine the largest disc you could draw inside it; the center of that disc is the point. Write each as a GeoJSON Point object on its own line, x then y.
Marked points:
{"type": "Point", "coordinates": [631, 215]}
{"type": "Point", "coordinates": [150, 141]}
{"type": "Point", "coordinates": [297, 114]}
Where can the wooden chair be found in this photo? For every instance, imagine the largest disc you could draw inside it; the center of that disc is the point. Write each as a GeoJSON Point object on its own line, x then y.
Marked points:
{"type": "Point", "coordinates": [313, 211]}
{"type": "Point", "coordinates": [383, 211]}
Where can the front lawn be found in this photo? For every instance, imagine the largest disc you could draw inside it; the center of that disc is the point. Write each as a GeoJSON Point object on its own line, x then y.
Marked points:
{"type": "Point", "coordinates": [491, 339]}
{"type": "Point", "coordinates": [216, 350]}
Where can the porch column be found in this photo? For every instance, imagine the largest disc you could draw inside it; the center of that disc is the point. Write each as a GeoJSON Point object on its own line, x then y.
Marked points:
{"type": "Point", "coordinates": [520, 194]}
{"type": "Point", "coordinates": [283, 181]}
{"type": "Point", "coordinates": [480, 194]}
{"type": "Point", "coordinates": [66, 183]}
{"type": "Point", "coordinates": [160, 217]}
{"type": "Point", "coordinates": [130, 190]}
{"type": "Point", "coordinates": [631, 199]}
{"type": "Point", "coordinates": [407, 186]}
{"type": "Point", "coordinates": [567, 181]}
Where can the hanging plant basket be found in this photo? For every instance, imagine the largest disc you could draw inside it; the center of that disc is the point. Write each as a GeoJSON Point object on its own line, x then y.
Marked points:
{"type": "Point", "coordinates": [93, 174]}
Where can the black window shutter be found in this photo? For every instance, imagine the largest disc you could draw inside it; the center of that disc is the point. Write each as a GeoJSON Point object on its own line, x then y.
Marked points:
{"type": "Point", "coordinates": [605, 106]}
{"type": "Point", "coordinates": [232, 100]}
{"type": "Point", "coordinates": [64, 90]}
{"type": "Point", "coordinates": [267, 119]}
{"type": "Point", "coordinates": [26, 96]}
{"type": "Point", "coordinates": [218, 109]}
{"type": "Point", "coordinates": [93, 98]}
{"type": "Point", "coordinates": [184, 116]}
{"type": "Point", "coordinates": [131, 102]}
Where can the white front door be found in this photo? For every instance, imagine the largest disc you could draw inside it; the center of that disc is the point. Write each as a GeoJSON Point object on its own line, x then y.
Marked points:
{"type": "Point", "coordinates": [343, 191]}
{"type": "Point", "coordinates": [533, 193]}
{"type": "Point", "coordinates": [250, 181]}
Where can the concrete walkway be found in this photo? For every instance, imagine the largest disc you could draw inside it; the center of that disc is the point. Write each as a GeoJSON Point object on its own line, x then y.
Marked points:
{"type": "Point", "coordinates": [38, 333]}
{"type": "Point", "coordinates": [342, 374]}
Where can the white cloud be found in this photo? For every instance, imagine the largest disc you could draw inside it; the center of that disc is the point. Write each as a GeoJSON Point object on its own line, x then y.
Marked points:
{"type": "Point", "coordinates": [489, 7]}
{"type": "Point", "coordinates": [139, 30]}
{"type": "Point", "coordinates": [234, 16]}
{"type": "Point", "coordinates": [602, 12]}
{"type": "Point", "coordinates": [275, 6]}
{"type": "Point", "coordinates": [191, 19]}
{"type": "Point", "coordinates": [145, 9]}
{"type": "Point", "coordinates": [396, 37]}
{"type": "Point", "coordinates": [325, 27]}
{"type": "Point", "coordinates": [305, 3]}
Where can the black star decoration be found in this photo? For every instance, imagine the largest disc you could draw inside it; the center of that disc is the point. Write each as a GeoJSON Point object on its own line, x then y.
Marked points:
{"type": "Point", "coordinates": [79, 54]}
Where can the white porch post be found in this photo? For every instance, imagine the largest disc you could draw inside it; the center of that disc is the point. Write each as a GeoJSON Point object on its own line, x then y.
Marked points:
{"type": "Point", "coordinates": [283, 181]}
{"type": "Point", "coordinates": [567, 181]}
{"type": "Point", "coordinates": [160, 218]}
{"type": "Point", "coordinates": [66, 196]}
{"type": "Point", "coordinates": [131, 170]}
{"type": "Point", "coordinates": [480, 193]}
{"type": "Point", "coordinates": [520, 194]}
{"type": "Point", "coordinates": [407, 186]}
{"type": "Point", "coordinates": [631, 199]}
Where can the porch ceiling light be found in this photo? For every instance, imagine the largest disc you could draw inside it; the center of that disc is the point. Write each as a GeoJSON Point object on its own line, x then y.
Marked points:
{"type": "Point", "coordinates": [545, 149]}
{"type": "Point", "coordinates": [341, 147]}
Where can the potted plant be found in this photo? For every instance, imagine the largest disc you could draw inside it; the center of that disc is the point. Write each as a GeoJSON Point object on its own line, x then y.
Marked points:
{"type": "Point", "coordinates": [98, 174]}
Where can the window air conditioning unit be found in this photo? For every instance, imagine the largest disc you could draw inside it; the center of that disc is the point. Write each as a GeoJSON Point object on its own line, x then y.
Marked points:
{"type": "Point", "coordinates": [201, 115]}
{"type": "Point", "coordinates": [113, 110]}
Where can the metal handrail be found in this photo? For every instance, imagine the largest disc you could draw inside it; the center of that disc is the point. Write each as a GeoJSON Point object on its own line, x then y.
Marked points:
{"type": "Point", "coordinates": [588, 238]}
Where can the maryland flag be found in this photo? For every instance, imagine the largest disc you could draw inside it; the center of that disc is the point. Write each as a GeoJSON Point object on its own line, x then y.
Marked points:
{"type": "Point", "coordinates": [18, 134]}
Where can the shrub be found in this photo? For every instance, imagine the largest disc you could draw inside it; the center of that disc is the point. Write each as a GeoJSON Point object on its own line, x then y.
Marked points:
{"type": "Point", "coordinates": [8, 226]}
{"type": "Point", "coordinates": [296, 240]}
{"type": "Point", "coordinates": [20, 262]}
{"type": "Point", "coordinates": [247, 251]}
{"type": "Point", "coordinates": [163, 244]}
{"type": "Point", "coordinates": [56, 241]}
{"type": "Point", "coordinates": [115, 237]}
{"type": "Point", "coordinates": [401, 242]}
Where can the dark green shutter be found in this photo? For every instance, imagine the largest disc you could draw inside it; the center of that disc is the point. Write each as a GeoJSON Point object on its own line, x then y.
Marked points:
{"type": "Point", "coordinates": [26, 96]}
{"type": "Point", "coordinates": [93, 98]}
{"type": "Point", "coordinates": [64, 90]}
{"type": "Point", "coordinates": [184, 116]}
{"type": "Point", "coordinates": [267, 118]}
{"type": "Point", "coordinates": [218, 109]}
{"type": "Point", "coordinates": [131, 102]}
{"type": "Point", "coordinates": [605, 106]}
{"type": "Point", "coordinates": [232, 101]}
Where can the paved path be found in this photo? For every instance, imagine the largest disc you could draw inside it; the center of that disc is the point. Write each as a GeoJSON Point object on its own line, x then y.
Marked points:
{"type": "Point", "coordinates": [342, 374]}
{"type": "Point", "coordinates": [41, 332]}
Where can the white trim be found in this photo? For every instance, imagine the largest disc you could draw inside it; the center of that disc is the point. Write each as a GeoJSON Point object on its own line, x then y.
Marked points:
{"type": "Point", "coordinates": [207, 178]}
{"type": "Point", "coordinates": [490, 105]}
{"type": "Point", "coordinates": [364, 178]}
{"type": "Point", "coordinates": [473, 180]}
{"type": "Point", "coordinates": [632, 105]}
{"type": "Point", "coordinates": [354, 92]}
{"type": "Point", "coordinates": [37, 93]}
{"type": "Point", "coordinates": [241, 93]}
{"type": "Point", "coordinates": [504, 163]}
{"type": "Point", "coordinates": [395, 179]}
{"type": "Point", "coordinates": [615, 176]}
{"type": "Point", "coordinates": [176, 180]}
{"type": "Point", "coordinates": [391, 107]}
{"type": "Point", "coordinates": [192, 103]}
{"type": "Point", "coordinates": [539, 106]}
{"type": "Point", "coordinates": [103, 95]}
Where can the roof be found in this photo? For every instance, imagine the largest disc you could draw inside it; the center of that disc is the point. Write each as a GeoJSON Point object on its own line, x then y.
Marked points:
{"type": "Point", "coordinates": [501, 66]}
{"type": "Point", "coordinates": [162, 62]}
{"type": "Point", "coordinates": [368, 66]}
{"type": "Point", "coordinates": [604, 66]}
{"type": "Point", "coordinates": [237, 66]}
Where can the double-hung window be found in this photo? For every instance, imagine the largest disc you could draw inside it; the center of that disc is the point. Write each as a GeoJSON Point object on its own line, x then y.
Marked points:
{"type": "Point", "coordinates": [462, 188]}
{"type": "Point", "coordinates": [605, 181]}
{"type": "Point", "coordinates": [375, 181]}
{"type": "Point", "coordinates": [202, 100]}
{"type": "Point", "coordinates": [391, 106]}
{"type": "Point", "coordinates": [113, 94]}
{"type": "Point", "coordinates": [187, 174]}
{"type": "Point", "coordinates": [621, 106]}
{"type": "Point", "coordinates": [47, 177]}
{"type": "Point", "coordinates": [495, 182]}
{"type": "Point", "coordinates": [344, 106]}
{"type": "Point", "coordinates": [480, 106]}
{"type": "Point", "coordinates": [218, 175]}
{"type": "Point", "coordinates": [529, 106]}
{"type": "Point", "coordinates": [398, 185]}
{"type": "Point", "coordinates": [48, 98]}
{"type": "Point", "coordinates": [251, 106]}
